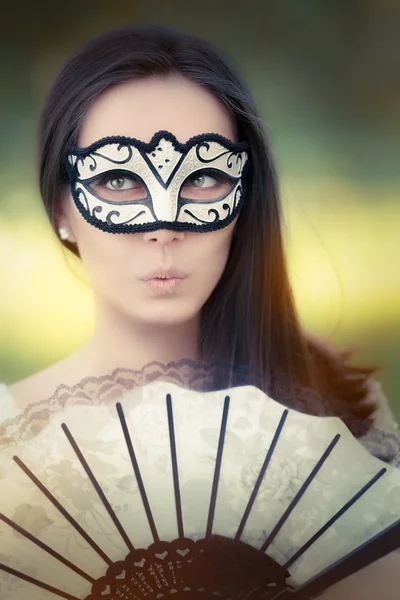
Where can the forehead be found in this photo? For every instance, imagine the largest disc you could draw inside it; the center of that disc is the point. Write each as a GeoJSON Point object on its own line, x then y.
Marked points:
{"type": "Point", "coordinates": [140, 108]}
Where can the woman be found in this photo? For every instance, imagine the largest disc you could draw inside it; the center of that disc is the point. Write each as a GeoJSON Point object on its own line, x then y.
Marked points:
{"type": "Point", "coordinates": [155, 170]}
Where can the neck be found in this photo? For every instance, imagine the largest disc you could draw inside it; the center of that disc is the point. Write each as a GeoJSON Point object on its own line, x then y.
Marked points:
{"type": "Point", "coordinates": [117, 343]}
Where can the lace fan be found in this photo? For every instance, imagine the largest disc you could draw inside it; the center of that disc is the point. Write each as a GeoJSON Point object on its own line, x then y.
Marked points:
{"type": "Point", "coordinates": [193, 494]}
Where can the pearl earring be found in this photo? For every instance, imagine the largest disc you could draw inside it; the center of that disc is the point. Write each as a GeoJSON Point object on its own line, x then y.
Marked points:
{"type": "Point", "coordinates": [63, 233]}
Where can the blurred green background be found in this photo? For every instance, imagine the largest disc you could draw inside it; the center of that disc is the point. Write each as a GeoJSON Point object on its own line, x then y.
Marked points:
{"type": "Point", "coordinates": [326, 77]}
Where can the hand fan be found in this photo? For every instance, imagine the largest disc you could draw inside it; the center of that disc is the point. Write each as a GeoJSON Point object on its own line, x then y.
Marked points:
{"type": "Point", "coordinates": [175, 492]}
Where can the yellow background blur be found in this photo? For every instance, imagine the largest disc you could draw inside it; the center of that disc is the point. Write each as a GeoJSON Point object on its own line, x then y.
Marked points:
{"type": "Point", "coordinates": [324, 77]}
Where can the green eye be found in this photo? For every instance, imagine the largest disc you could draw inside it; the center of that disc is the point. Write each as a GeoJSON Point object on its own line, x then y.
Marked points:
{"type": "Point", "coordinates": [121, 183]}
{"type": "Point", "coordinates": [117, 186]}
{"type": "Point", "coordinates": [198, 181]}
{"type": "Point", "coordinates": [206, 185]}
{"type": "Point", "coordinates": [117, 183]}
{"type": "Point", "coordinates": [203, 181]}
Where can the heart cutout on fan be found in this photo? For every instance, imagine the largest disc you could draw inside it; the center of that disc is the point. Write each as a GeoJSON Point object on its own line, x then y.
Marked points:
{"type": "Point", "coordinates": [122, 575]}
{"type": "Point", "coordinates": [140, 563]}
{"type": "Point", "coordinates": [162, 556]}
{"type": "Point", "coordinates": [183, 552]}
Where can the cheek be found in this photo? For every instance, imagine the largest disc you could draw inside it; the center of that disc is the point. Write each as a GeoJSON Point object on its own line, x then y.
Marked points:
{"type": "Point", "coordinates": [222, 239]}
{"type": "Point", "coordinates": [104, 255]}
{"type": "Point", "coordinates": [99, 250]}
{"type": "Point", "coordinates": [214, 249]}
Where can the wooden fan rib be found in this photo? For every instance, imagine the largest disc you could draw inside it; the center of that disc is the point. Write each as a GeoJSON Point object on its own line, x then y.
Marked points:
{"type": "Point", "coordinates": [261, 475]}
{"type": "Point", "coordinates": [214, 489]}
{"type": "Point", "coordinates": [41, 584]}
{"type": "Point", "coordinates": [299, 494]}
{"type": "Point", "coordinates": [98, 488]}
{"type": "Point", "coordinates": [46, 548]}
{"type": "Point", "coordinates": [62, 510]}
{"type": "Point", "coordinates": [175, 473]}
{"type": "Point", "coordinates": [335, 517]}
{"type": "Point", "coordinates": [137, 472]}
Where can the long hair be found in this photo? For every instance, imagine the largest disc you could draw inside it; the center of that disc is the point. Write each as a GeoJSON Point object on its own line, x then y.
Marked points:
{"type": "Point", "coordinates": [250, 317]}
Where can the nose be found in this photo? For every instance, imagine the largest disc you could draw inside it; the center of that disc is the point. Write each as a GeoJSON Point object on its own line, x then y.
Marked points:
{"type": "Point", "coordinates": [163, 236]}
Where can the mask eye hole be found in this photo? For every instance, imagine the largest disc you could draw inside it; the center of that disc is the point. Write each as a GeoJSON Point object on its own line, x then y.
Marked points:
{"type": "Point", "coordinates": [206, 185]}
{"type": "Point", "coordinates": [118, 186]}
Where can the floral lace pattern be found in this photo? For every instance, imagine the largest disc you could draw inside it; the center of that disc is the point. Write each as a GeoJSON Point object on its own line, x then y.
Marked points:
{"type": "Point", "coordinates": [94, 391]}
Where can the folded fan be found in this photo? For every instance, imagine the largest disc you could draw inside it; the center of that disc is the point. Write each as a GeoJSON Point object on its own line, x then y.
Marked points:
{"type": "Point", "coordinates": [191, 493]}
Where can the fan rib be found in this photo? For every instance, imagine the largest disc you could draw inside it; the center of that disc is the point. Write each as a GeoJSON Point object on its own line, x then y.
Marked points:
{"type": "Point", "coordinates": [335, 517]}
{"type": "Point", "coordinates": [261, 475]}
{"type": "Point", "coordinates": [63, 511]}
{"type": "Point", "coordinates": [175, 472]}
{"type": "Point", "coordinates": [137, 472]}
{"type": "Point", "coordinates": [299, 494]}
{"type": "Point", "coordinates": [214, 489]}
{"type": "Point", "coordinates": [98, 488]}
{"type": "Point", "coordinates": [380, 545]}
{"type": "Point", "coordinates": [46, 548]}
{"type": "Point", "coordinates": [38, 583]}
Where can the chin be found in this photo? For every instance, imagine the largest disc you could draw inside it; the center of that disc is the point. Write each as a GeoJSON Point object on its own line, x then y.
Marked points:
{"type": "Point", "coordinates": [165, 316]}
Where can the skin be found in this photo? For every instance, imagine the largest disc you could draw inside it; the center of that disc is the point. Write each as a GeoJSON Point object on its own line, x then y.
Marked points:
{"type": "Point", "coordinates": [132, 327]}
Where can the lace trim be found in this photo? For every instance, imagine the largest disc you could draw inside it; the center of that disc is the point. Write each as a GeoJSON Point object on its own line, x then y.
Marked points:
{"type": "Point", "coordinates": [145, 147]}
{"type": "Point", "coordinates": [198, 377]}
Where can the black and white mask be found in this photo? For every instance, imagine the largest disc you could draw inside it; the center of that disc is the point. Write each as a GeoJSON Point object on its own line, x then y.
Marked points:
{"type": "Point", "coordinates": [123, 185]}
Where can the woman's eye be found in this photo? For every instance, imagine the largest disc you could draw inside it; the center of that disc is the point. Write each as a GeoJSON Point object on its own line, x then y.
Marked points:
{"type": "Point", "coordinates": [202, 181]}
{"type": "Point", "coordinates": [119, 187]}
{"type": "Point", "coordinates": [206, 186]}
{"type": "Point", "coordinates": [121, 183]}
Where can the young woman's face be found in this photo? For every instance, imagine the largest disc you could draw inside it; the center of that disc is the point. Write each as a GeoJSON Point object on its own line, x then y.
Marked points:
{"type": "Point", "coordinates": [118, 264]}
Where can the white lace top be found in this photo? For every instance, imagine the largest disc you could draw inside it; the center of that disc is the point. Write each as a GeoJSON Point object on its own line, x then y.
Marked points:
{"type": "Point", "coordinates": [383, 416]}
{"type": "Point", "coordinates": [382, 440]}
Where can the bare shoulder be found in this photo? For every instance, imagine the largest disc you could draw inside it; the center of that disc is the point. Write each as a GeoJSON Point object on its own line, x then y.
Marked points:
{"type": "Point", "coordinates": [381, 580]}
{"type": "Point", "coordinates": [43, 384]}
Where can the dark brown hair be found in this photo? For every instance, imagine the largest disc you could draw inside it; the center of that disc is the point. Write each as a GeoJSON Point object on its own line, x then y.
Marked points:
{"type": "Point", "coordinates": [250, 318]}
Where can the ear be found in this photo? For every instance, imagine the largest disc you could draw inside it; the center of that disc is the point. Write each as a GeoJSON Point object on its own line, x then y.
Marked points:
{"type": "Point", "coordinates": [62, 217]}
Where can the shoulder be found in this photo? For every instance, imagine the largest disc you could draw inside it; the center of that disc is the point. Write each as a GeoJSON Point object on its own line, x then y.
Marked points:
{"type": "Point", "coordinates": [8, 406]}
{"type": "Point", "coordinates": [381, 580]}
{"type": "Point", "coordinates": [42, 385]}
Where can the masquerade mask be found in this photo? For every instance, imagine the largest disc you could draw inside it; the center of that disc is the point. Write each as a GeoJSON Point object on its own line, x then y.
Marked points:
{"type": "Point", "coordinates": [123, 185]}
